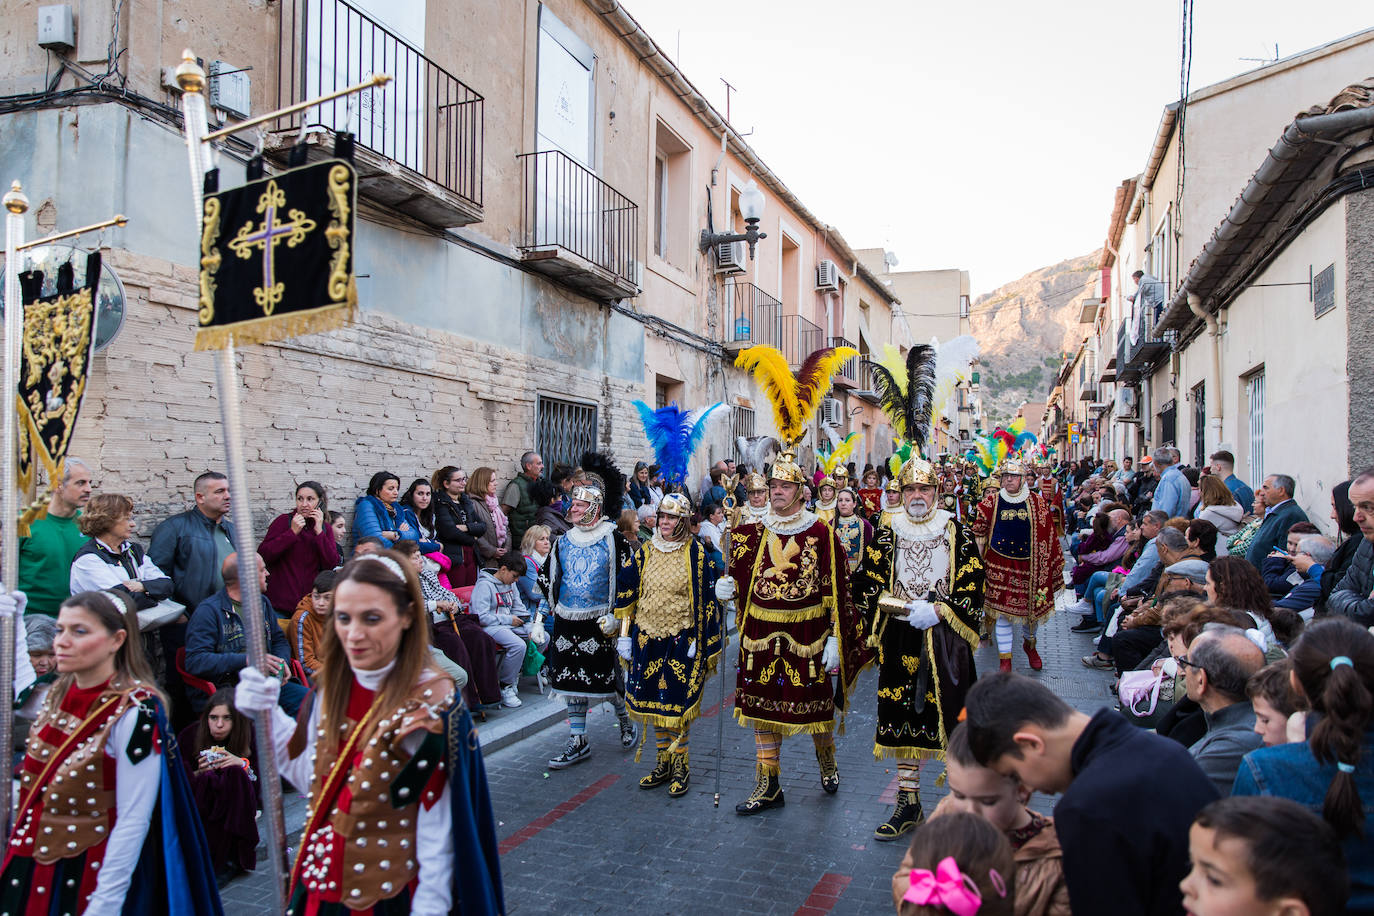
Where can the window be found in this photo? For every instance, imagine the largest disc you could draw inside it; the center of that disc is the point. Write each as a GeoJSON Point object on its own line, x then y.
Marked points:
{"type": "Point", "coordinates": [1200, 425]}
{"type": "Point", "coordinates": [563, 105]}
{"type": "Point", "coordinates": [1168, 423]}
{"type": "Point", "coordinates": [563, 430]}
{"type": "Point", "coordinates": [1254, 393]}
{"type": "Point", "coordinates": [963, 306]}
{"type": "Point", "coordinates": [672, 206]}
{"type": "Point", "coordinates": [1160, 255]}
{"type": "Point", "coordinates": [667, 391]}
{"type": "Point", "coordinates": [741, 427]}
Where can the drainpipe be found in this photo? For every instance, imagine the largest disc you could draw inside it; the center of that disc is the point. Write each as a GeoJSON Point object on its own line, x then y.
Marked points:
{"type": "Point", "coordinates": [1213, 391]}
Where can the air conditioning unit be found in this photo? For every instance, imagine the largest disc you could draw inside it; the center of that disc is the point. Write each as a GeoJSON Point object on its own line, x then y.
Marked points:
{"type": "Point", "coordinates": [832, 412]}
{"type": "Point", "coordinates": [827, 275]}
{"type": "Point", "coordinates": [230, 89]}
{"type": "Point", "coordinates": [730, 258]}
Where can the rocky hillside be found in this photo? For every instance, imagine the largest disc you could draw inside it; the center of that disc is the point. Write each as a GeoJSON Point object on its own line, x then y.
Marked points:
{"type": "Point", "coordinates": [1024, 329]}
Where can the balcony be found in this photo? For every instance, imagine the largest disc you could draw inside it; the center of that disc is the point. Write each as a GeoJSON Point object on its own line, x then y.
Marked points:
{"type": "Point", "coordinates": [1139, 346]}
{"type": "Point", "coordinates": [848, 376]}
{"type": "Point", "coordinates": [1108, 373]}
{"type": "Point", "coordinates": [1088, 391]}
{"type": "Point", "coordinates": [576, 228]}
{"type": "Point", "coordinates": [754, 318]}
{"type": "Point", "coordinates": [419, 139]}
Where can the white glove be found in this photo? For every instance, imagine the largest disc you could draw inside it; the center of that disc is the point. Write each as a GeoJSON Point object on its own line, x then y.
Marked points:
{"type": "Point", "coordinates": [725, 588]}
{"type": "Point", "coordinates": [538, 635]}
{"type": "Point", "coordinates": [921, 614]}
{"type": "Point", "coordinates": [608, 624]}
{"type": "Point", "coordinates": [13, 603]}
{"type": "Point", "coordinates": [692, 649]}
{"type": "Point", "coordinates": [623, 646]}
{"type": "Point", "coordinates": [256, 693]}
{"type": "Point", "coordinates": [830, 658]}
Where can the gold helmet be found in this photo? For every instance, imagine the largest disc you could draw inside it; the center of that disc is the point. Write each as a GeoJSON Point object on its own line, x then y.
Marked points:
{"type": "Point", "coordinates": [826, 481]}
{"type": "Point", "coordinates": [841, 475]}
{"type": "Point", "coordinates": [917, 471]}
{"type": "Point", "coordinates": [786, 468]}
{"type": "Point", "coordinates": [679, 506]}
{"type": "Point", "coordinates": [1012, 466]}
{"type": "Point", "coordinates": [754, 482]}
{"type": "Point", "coordinates": [892, 485]}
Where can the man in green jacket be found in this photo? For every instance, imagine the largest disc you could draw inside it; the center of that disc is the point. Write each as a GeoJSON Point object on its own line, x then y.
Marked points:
{"type": "Point", "coordinates": [517, 500]}
{"type": "Point", "coordinates": [45, 556]}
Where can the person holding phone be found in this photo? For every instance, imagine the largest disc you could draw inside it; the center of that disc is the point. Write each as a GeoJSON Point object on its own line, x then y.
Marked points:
{"type": "Point", "coordinates": [299, 545]}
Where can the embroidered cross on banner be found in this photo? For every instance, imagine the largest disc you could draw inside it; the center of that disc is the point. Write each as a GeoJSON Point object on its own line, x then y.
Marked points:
{"type": "Point", "coordinates": [266, 237]}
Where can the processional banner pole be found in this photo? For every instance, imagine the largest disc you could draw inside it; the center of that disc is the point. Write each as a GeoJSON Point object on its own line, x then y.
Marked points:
{"type": "Point", "coordinates": [191, 79]}
{"type": "Point", "coordinates": [732, 512]}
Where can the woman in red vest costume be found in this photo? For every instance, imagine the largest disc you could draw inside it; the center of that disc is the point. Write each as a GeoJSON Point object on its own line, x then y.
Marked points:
{"type": "Point", "coordinates": [396, 800]}
{"type": "Point", "coordinates": [106, 821]}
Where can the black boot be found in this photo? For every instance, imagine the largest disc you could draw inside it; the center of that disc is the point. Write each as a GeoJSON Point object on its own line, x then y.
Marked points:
{"type": "Point", "coordinates": [659, 774]}
{"type": "Point", "coordinates": [830, 771]}
{"type": "Point", "coordinates": [906, 817]}
{"type": "Point", "coordinates": [767, 794]}
{"type": "Point", "coordinates": [678, 787]}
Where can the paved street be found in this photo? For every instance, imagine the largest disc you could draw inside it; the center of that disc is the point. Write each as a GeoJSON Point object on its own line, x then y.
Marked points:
{"type": "Point", "coordinates": [589, 840]}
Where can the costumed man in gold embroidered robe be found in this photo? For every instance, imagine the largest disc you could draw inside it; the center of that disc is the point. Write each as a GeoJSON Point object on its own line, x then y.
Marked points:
{"type": "Point", "coordinates": [796, 621]}
{"type": "Point", "coordinates": [671, 637]}
{"type": "Point", "coordinates": [1023, 559]}
{"type": "Point", "coordinates": [920, 588]}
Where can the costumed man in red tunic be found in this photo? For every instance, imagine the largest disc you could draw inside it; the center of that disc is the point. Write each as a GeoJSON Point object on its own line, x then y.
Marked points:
{"type": "Point", "coordinates": [1023, 559]}
{"type": "Point", "coordinates": [1053, 494]}
{"type": "Point", "coordinates": [795, 614]}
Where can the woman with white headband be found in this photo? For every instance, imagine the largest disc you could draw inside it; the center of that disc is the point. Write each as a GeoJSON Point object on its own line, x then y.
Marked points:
{"type": "Point", "coordinates": [397, 788]}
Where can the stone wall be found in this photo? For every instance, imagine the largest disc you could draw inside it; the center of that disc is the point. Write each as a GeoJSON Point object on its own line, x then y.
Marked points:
{"type": "Point", "coordinates": [1359, 299]}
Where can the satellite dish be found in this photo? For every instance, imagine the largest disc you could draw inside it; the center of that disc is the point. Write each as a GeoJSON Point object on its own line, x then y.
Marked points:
{"type": "Point", "coordinates": [109, 306]}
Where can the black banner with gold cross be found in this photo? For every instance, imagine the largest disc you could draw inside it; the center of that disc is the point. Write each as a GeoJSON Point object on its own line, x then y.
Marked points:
{"type": "Point", "coordinates": [276, 256]}
{"type": "Point", "coordinates": [54, 359]}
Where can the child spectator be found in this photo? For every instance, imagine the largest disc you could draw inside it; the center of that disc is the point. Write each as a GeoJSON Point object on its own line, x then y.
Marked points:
{"type": "Point", "coordinates": [1257, 856]}
{"type": "Point", "coordinates": [957, 864]}
{"type": "Point", "coordinates": [1001, 801]}
{"type": "Point", "coordinates": [217, 751]}
{"type": "Point", "coordinates": [1274, 700]}
{"type": "Point", "coordinates": [497, 606]}
{"type": "Point", "coordinates": [310, 619]}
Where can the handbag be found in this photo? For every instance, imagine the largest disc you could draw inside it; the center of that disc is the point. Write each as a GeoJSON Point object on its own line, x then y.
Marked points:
{"type": "Point", "coordinates": [534, 661]}
{"type": "Point", "coordinates": [1146, 696]}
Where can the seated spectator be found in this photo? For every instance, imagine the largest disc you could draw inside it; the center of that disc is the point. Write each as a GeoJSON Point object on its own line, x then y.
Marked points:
{"type": "Point", "coordinates": [1141, 632]}
{"type": "Point", "coordinates": [552, 508]}
{"type": "Point", "coordinates": [218, 752]}
{"type": "Point", "coordinates": [1114, 525]}
{"type": "Point", "coordinates": [1234, 583]}
{"type": "Point", "coordinates": [497, 606]}
{"type": "Point", "coordinates": [1274, 700]}
{"type": "Point", "coordinates": [1309, 562]}
{"type": "Point", "coordinates": [1202, 536]}
{"type": "Point", "coordinates": [713, 524]}
{"type": "Point", "coordinates": [1216, 504]}
{"type": "Point", "coordinates": [1281, 512]}
{"type": "Point", "coordinates": [338, 524]}
{"type": "Point", "coordinates": [190, 547]}
{"type": "Point", "coordinates": [628, 525]}
{"type": "Point", "coordinates": [1333, 771]}
{"type": "Point", "coordinates": [1124, 848]}
{"type": "Point", "coordinates": [958, 864]}
{"type": "Point", "coordinates": [639, 486]}
{"type": "Point", "coordinates": [368, 545]}
{"type": "Point", "coordinates": [715, 493]}
{"type": "Point", "coordinates": [1277, 568]}
{"type": "Point", "coordinates": [456, 525]}
{"type": "Point", "coordinates": [217, 647]}
{"type": "Point", "coordinates": [1194, 477]}
{"type": "Point", "coordinates": [1001, 801]}
{"type": "Point", "coordinates": [1215, 671]}
{"type": "Point", "coordinates": [298, 545]}
{"type": "Point", "coordinates": [308, 623]}
{"type": "Point", "coordinates": [495, 540]}
{"type": "Point", "coordinates": [647, 516]}
{"type": "Point", "coordinates": [377, 513]}
{"type": "Point", "coordinates": [1353, 595]}
{"type": "Point", "coordinates": [46, 553]}
{"type": "Point", "coordinates": [418, 507]}
{"type": "Point", "coordinates": [111, 560]}
{"type": "Point", "coordinates": [1262, 856]}
{"type": "Point", "coordinates": [1348, 534]}
{"type": "Point", "coordinates": [534, 547]}
{"type": "Point", "coordinates": [1223, 466]}
{"type": "Point", "coordinates": [457, 635]}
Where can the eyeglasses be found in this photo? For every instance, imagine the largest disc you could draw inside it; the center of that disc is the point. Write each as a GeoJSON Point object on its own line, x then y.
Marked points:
{"type": "Point", "coordinates": [1185, 662]}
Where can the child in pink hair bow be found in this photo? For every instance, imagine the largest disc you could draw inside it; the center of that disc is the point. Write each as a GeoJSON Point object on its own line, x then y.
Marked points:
{"type": "Point", "coordinates": [947, 887]}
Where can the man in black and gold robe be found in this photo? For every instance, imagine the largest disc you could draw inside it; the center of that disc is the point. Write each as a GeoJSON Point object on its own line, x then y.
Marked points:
{"type": "Point", "coordinates": [920, 587]}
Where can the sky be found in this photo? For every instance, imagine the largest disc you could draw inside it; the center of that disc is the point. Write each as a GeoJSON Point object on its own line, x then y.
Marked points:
{"type": "Point", "coordinates": [989, 135]}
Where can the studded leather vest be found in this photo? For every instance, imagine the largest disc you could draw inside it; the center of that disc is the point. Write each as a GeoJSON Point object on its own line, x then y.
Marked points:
{"type": "Point", "coordinates": [67, 790]}
{"type": "Point", "coordinates": [359, 843]}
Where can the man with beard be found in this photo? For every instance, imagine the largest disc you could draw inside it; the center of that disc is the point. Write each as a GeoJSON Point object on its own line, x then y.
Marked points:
{"type": "Point", "coordinates": [796, 621]}
{"type": "Point", "coordinates": [586, 570]}
{"type": "Point", "coordinates": [1023, 559]}
{"type": "Point", "coordinates": [920, 588]}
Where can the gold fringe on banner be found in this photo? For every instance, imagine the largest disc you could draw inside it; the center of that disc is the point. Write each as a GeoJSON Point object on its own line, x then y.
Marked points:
{"type": "Point", "coordinates": [280, 327]}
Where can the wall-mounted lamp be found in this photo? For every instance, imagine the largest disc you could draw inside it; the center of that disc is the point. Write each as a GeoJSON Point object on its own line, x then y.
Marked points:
{"type": "Point", "coordinates": [751, 208]}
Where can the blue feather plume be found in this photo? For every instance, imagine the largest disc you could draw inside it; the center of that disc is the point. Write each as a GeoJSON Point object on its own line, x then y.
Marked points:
{"type": "Point", "coordinates": [674, 434]}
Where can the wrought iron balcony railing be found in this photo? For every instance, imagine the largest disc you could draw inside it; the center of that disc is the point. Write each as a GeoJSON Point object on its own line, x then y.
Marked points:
{"type": "Point", "coordinates": [426, 119]}
{"type": "Point", "coordinates": [849, 369]}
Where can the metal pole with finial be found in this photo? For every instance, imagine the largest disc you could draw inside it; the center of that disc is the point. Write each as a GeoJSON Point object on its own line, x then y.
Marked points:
{"type": "Point", "coordinates": [191, 80]}
{"type": "Point", "coordinates": [732, 512]}
{"type": "Point", "coordinates": [16, 205]}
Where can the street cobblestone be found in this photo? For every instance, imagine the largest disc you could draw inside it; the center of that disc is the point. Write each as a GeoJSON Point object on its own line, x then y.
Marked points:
{"type": "Point", "coordinates": [589, 840]}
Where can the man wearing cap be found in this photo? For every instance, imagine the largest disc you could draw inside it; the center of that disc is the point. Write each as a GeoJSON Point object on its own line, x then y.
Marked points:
{"type": "Point", "coordinates": [796, 621]}
{"type": "Point", "coordinates": [920, 588]}
{"type": "Point", "coordinates": [1023, 560]}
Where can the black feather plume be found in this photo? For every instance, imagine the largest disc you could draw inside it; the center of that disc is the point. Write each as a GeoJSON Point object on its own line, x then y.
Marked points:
{"type": "Point", "coordinates": [920, 394]}
{"type": "Point", "coordinates": [602, 464]}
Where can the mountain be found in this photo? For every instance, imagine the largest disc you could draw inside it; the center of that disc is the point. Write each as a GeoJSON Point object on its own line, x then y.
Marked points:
{"type": "Point", "coordinates": [1024, 329]}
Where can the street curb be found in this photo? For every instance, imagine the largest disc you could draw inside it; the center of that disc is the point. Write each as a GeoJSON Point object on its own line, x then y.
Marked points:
{"type": "Point", "coordinates": [509, 727]}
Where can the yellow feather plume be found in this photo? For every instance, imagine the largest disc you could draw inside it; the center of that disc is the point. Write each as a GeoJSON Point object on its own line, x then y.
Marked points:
{"type": "Point", "coordinates": [794, 397]}
{"type": "Point", "coordinates": [841, 453]}
{"type": "Point", "coordinates": [894, 362]}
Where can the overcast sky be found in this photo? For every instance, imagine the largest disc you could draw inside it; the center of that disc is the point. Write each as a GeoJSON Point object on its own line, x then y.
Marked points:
{"type": "Point", "coordinates": [986, 135]}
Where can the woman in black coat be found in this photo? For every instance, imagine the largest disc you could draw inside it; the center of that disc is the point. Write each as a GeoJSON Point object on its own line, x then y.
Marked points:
{"type": "Point", "coordinates": [456, 525]}
{"type": "Point", "coordinates": [1343, 513]}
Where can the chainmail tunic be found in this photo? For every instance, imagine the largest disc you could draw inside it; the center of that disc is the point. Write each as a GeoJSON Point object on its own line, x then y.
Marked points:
{"type": "Point", "coordinates": [665, 593]}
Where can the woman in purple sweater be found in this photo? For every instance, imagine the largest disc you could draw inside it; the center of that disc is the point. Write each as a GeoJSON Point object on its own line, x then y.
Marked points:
{"type": "Point", "coordinates": [298, 546]}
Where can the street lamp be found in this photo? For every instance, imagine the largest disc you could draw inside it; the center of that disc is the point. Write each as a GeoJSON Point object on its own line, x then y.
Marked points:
{"type": "Point", "coordinates": [751, 208]}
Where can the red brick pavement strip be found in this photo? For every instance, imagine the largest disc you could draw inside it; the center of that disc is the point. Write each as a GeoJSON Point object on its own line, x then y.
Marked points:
{"type": "Point", "coordinates": [568, 807]}
{"type": "Point", "coordinates": [824, 895]}
{"type": "Point", "coordinates": [712, 710]}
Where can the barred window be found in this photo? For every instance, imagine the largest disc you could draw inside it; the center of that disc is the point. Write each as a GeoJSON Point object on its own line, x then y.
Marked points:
{"type": "Point", "coordinates": [741, 425]}
{"type": "Point", "coordinates": [564, 430]}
